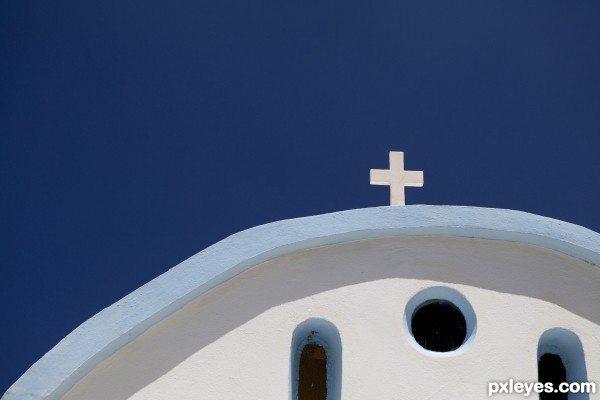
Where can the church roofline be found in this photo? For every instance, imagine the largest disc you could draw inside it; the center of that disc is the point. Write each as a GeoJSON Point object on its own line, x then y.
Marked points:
{"type": "Point", "coordinates": [112, 328]}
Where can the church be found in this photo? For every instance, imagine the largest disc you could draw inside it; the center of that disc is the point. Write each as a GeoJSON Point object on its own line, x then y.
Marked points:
{"type": "Point", "coordinates": [394, 302]}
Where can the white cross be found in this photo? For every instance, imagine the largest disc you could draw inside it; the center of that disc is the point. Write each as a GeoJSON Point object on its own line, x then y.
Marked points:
{"type": "Point", "coordinates": [396, 178]}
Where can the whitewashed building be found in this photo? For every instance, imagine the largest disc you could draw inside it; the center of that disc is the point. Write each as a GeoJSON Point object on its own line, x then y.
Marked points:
{"type": "Point", "coordinates": [342, 291]}
{"type": "Point", "coordinates": [416, 302]}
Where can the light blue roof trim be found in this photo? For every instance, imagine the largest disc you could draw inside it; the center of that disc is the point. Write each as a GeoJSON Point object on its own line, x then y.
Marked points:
{"type": "Point", "coordinates": [100, 336]}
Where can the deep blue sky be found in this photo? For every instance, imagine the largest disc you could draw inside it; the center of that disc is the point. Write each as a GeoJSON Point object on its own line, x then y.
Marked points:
{"type": "Point", "coordinates": [134, 134]}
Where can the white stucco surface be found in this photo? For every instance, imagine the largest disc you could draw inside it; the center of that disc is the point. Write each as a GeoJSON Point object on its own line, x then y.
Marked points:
{"type": "Point", "coordinates": [154, 308]}
{"type": "Point", "coordinates": [234, 342]}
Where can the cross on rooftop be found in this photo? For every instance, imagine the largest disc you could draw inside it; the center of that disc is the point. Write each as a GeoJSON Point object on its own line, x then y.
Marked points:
{"type": "Point", "coordinates": [396, 178]}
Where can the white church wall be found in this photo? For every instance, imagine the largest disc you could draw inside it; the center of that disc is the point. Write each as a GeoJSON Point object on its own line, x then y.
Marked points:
{"type": "Point", "coordinates": [101, 336]}
{"type": "Point", "coordinates": [235, 341]}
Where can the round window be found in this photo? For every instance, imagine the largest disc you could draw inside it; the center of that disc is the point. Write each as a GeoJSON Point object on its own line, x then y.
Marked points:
{"type": "Point", "coordinates": [440, 322]}
{"type": "Point", "coordinates": [438, 325]}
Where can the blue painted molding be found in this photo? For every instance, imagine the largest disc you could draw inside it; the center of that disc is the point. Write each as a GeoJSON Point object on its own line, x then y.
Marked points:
{"type": "Point", "coordinates": [100, 336]}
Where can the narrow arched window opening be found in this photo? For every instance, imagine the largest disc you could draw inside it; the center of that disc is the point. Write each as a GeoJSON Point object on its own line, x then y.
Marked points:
{"type": "Point", "coordinates": [552, 370]}
{"type": "Point", "coordinates": [561, 360]}
{"type": "Point", "coordinates": [312, 379]}
{"type": "Point", "coordinates": [316, 361]}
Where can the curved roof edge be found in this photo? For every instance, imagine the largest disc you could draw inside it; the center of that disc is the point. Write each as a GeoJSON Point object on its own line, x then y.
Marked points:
{"type": "Point", "coordinates": [100, 336]}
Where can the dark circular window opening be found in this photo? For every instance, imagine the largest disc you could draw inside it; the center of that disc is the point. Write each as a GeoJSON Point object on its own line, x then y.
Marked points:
{"type": "Point", "coordinates": [439, 325]}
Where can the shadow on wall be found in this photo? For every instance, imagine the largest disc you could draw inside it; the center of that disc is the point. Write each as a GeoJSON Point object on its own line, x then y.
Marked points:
{"type": "Point", "coordinates": [493, 265]}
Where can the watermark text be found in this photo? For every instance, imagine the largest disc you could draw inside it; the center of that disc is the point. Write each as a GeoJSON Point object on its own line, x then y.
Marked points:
{"type": "Point", "coordinates": [528, 388]}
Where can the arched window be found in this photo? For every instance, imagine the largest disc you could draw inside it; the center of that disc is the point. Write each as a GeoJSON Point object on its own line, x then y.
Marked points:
{"type": "Point", "coordinates": [316, 361]}
{"type": "Point", "coordinates": [312, 375]}
{"type": "Point", "coordinates": [551, 369]}
{"type": "Point", "coordinates": [561, 359]}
